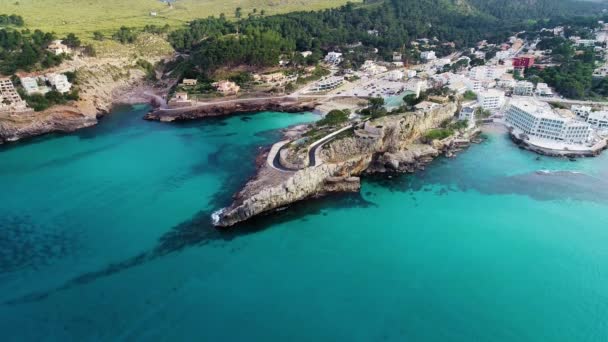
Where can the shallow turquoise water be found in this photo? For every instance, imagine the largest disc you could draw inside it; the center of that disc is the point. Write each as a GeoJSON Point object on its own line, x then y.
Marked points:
{"type": "Point", "coordinates": [105, 236]}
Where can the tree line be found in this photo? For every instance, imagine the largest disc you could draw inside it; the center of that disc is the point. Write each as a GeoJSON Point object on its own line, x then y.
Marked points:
{"type": "Point", "coordinates": [394, 24]}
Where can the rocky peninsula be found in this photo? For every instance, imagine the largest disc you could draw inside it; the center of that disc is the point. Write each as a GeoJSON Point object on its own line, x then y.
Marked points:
{"type": "Point", "coordinates": [388, 144]}
{"type": "Point", "coordinates": [201, 110]}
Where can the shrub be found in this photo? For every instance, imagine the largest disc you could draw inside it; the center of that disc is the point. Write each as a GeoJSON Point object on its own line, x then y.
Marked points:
{"type": "Point", "coordinates": [334, 117]}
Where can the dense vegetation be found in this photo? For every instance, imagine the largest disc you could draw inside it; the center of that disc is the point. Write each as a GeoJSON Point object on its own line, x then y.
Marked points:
{"type": "Point", "coordinates": [41, 102]}
{"type": "Point", "coordinates": [25, 50]}
{"type": "Point", "coordinates": [15, 20]}
{"type": "Point", "coordinates": [82, 17]}
{"type": "Point", "coordinates": [446, 129]}
{"type": "Point", "coordinates": [573, 76]}
{"type": "Point", "coordinates": [125, 35]}
{"type": "Point", "coordinates": [218, 41]}
{"type": "Point", "coordinates": [532, 9]}
{"type": "Point", "coordinates": [334, 117]}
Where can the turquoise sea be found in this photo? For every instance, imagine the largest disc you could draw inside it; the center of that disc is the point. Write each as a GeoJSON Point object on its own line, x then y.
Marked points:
{"type": "Point", "coordinates": [105, 236]}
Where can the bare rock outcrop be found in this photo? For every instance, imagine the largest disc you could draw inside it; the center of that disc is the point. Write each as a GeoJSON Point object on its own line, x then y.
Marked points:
{"type": "Point", "coordinates": [303, 184]}
{"type": "Point", "coordinates": [17, 126]}
{"type": "Point", "coordinates": [221, 108]}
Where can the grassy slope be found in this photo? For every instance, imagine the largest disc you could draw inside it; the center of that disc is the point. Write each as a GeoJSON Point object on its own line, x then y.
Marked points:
{"type": "Point", "coordinates": [85, 16]}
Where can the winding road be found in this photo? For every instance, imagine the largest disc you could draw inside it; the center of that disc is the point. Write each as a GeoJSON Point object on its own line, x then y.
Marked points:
{"type": "Point", "coordinates": [274, 161]}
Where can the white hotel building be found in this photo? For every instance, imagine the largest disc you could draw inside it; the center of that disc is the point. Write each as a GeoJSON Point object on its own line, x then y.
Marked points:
{"type": "Point", "coordinates": [537, 119]}
{"type": "Point", "coordinates": [491, 99]}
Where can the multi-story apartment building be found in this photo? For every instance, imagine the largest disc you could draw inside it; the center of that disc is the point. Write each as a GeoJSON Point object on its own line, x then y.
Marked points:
{"type": "Point", "coordinates": [486, 73]}
{"type": "Point", "coordinates": [491, 99]}
{"type": "Point", "coordinates": [523, 88]}
{"type": "Point", "coordinates": [537, 119]}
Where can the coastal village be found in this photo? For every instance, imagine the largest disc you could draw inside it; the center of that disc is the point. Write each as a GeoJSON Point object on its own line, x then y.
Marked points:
{"type": "Point", "coordinates": [315, 170]}
{"type": "Point", "coordinates": [12, 90]}
{"type": "Point", "coordinates": [489, 78]}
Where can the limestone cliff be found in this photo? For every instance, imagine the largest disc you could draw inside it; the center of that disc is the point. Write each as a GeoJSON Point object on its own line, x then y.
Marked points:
{"type": "Point", "coordinates": [256, 198]}
{"type": "Point", "coordinates": [388, 143]}
{"type": "Point", "coordinates": [112, 77]}
{"type": "Point", "coordinates": [220, 108]}
{"type": "Point", "coordinates": [17, 126]}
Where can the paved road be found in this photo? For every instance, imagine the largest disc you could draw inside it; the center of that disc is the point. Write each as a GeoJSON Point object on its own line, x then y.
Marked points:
{"type": "Point", "coordinates": [274, 161]}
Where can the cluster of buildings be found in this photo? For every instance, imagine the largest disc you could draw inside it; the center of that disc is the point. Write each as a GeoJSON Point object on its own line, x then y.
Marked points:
{"type": "Point", "coordinates": [327, 84]}
{"type": "Point", "coordinates": [371, 68]}
{"type": "Point", "coordinates": [43, 84]}
{"type": "Point", "coordinates": [275, 79]}
{"type": "Point", "coordinates": [596, 118]}
{"type": "Point", "coordinates": [10, 101]}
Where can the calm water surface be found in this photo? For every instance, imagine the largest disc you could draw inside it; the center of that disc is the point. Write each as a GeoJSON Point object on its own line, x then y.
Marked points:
{"type": "Point", "coordinates": [105, 236]}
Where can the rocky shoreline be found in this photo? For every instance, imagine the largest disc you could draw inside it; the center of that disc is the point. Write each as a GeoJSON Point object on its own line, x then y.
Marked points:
{"type": "Point", "coordinates": [572, 154]}
{"type": "Point", "coordinates": [385, 145]}
{"type": "Point", "coordinates": [222, 108]}
{"type": "Point", "coordinates": [14, 127]}
{"type": "Point", "coordinates": [102, 83]}
{"type": "Point", "coordinates": [77, 115]}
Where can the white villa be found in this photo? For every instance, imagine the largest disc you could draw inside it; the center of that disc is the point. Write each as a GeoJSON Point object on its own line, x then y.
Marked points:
{"type": "Point", "coordinates": [523, 88]}
{"type": "Point", "coordinates": [467, 113]}
{"type": "Point", "coordinates": [31, 86]}
{"type": "Point", "coordinates": [428, 55]}
{"type": "Point", "coordinates": [542, 89]}
{"type": "Point", "coordinates": [60, 82]}
{"type": "Point", "coordinates": [334, 58]}
{"type": "Point", "coordinates": [57, 47]}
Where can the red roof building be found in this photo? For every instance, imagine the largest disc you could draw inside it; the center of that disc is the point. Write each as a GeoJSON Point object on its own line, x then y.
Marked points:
{"type": "Point", "coordinates": [523, 62]}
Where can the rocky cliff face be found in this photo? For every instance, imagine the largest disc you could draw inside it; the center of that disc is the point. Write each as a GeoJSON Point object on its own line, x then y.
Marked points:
{"type": "Point", "coordinates": [101, 82]}
{"type": "Point", "coordinates": [384, 144]}
{"type": "Point", "coordinates": [57, 119]}
{"type": "Point", "coordinates": [303, 184]}
{"type": "Point", "coordinates": [390, 134]}
{"type": "Point", "coordinates": [221, 108]}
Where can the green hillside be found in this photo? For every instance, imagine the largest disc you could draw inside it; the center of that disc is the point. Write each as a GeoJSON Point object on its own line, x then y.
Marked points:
{"type": "Point", "coordinates": [85, 16]}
